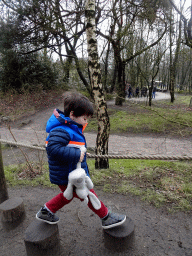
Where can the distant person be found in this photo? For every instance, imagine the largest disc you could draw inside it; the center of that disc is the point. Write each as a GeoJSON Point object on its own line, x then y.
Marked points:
{"type": "Point", "coordinates": [144, 92]}
{"type": "Point", "coordinates": [64, 144]}
{"type": "Point", "coordinates": [130, 91]}
{"type": "Point", "coordinates": [126, 89]}
{"type": "Point", "coordinates": [137, 92]}
{"type": "Point", "coordinates": [154, 91]}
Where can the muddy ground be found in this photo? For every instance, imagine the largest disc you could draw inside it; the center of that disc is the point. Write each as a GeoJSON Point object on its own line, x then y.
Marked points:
{"type": "Point", "coordinates": [157, 232]}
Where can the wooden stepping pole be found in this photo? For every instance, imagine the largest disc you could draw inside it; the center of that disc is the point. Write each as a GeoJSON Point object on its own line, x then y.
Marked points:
{"type": "Point", "coordinates": [119, 238]}
{"type": "Point", "coordinates": [12, 210]}
{"type": "Point", "coordinates": [42, 239]}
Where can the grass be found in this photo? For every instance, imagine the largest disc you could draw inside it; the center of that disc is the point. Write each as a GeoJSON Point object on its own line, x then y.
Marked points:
{"type": "Point", "coordinates": [19, 175]}
{"type": "Point", "coordinates": [160, 183]}
{"type": "Point", "coordinates": [162, 118]}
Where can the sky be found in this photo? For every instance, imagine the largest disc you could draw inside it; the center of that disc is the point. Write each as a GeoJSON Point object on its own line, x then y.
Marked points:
{"type": "Point", "coordinates": [177, 3]}
{"type": "Point", "coordinates": [186, 7]}
{"type": "Point", "coordinates": [187, 2]}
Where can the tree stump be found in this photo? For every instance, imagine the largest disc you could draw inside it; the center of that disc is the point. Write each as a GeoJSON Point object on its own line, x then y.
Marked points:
{"type": "Point", "coordinates": [12, 210]}
{"type": "Point", "coordinates": [42, 239]}
{"type": "Point", "coordinates": [119, 238]}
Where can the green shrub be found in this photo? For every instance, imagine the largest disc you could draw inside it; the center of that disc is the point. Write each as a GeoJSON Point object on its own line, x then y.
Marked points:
{"type": "Point", "coordinates": [21, 72]}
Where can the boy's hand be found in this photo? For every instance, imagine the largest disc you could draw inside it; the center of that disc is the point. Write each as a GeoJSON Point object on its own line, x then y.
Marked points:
{"type": "Point", "coordinates": [82, 156]}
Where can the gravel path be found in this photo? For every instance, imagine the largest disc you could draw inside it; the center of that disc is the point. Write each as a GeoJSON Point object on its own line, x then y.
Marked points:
{"type": "Point", "coordinates": [120, 145]}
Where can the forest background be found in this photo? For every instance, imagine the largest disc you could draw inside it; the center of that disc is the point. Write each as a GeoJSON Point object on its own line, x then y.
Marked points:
{"type": "Point", "coordinates": [44, 44]}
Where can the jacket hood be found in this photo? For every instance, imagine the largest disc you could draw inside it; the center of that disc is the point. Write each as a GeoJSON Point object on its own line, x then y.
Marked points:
{"type": "Point", "coordinates": [57, 119]}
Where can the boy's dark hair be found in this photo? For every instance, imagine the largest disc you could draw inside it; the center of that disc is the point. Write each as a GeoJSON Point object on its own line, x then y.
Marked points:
{"type": "Point", "coordinates": [78, 103]}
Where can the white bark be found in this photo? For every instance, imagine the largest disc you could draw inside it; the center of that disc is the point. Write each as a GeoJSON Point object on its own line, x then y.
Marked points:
{"type": "Point", "coordinates": [96, 85]}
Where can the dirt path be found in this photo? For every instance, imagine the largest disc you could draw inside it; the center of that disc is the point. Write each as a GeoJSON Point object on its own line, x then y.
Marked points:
{"type": "Point", "coordinates": [157, 233]}
{"type": "Point", "coordinates": [158, 96]}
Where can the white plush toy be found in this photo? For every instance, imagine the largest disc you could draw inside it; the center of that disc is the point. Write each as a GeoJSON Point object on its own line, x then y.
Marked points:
{"type": "Point", "coordinates": [82, 184]}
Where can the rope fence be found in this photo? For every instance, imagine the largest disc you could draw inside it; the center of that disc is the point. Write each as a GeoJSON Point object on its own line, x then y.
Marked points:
{"type": "Point", "coordinates": [147, 157]}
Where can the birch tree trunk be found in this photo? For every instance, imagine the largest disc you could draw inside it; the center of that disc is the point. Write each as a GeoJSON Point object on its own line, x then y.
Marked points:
{"type": "Point", "coordinates": [171, 83]}
{"type": "Point", "coordinates": [97, 87]}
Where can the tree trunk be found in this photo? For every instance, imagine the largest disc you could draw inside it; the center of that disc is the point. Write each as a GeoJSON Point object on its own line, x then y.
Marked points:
{"type": "Point", "coordinates": [3, 186]}
{"type": "Point", "coordinates": [150, 94]}
{"type": "Point", "coordinates": [172, 77]}
{"type": "Point", "coordinates": [173, 62]}
{"type": "Point", "coordinates": [106, 69]}
{"type": "Point", "coordinates": [120, 98]}
{"type": "Point", "coordinates": [66, 69]}
{"type": "Point", "coordinates": [113, 82]}
{"type": "Point", "coordinates": [97, 88]}
{"type": "Point", "coordinates": [172, 84]}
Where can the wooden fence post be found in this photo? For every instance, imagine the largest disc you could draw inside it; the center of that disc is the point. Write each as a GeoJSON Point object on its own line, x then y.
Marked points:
{"type": "Point", "coordinates": [11, 209]}
{"type": "Point", "coordinates": [3, 186]}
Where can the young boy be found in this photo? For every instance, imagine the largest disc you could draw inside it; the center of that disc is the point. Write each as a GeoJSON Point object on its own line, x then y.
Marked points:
{"type": "Point", "coordinates": [63, 150]}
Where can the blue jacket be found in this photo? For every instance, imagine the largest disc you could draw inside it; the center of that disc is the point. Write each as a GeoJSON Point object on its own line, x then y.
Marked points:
{"type": "Point", "coordinates": [63, 147]}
